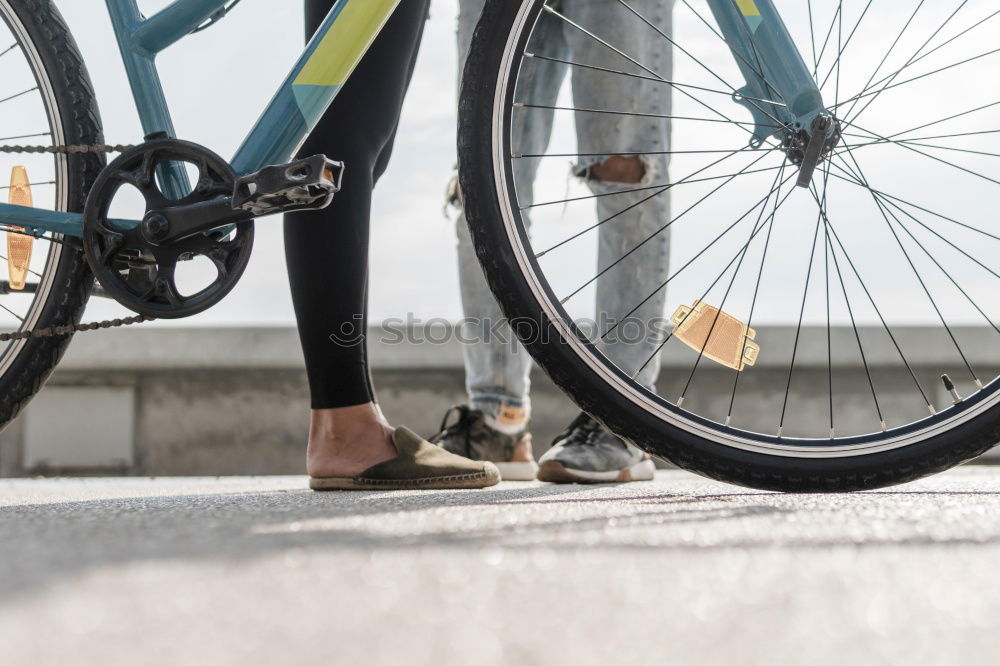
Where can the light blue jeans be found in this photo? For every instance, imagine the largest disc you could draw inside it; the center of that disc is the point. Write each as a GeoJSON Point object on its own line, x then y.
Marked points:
{"type": "Point", "coordinates": [497, 369]}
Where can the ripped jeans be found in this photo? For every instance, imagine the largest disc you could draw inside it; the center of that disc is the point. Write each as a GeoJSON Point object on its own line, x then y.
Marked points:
{"type": "Point", "coordinates": [497, 369]}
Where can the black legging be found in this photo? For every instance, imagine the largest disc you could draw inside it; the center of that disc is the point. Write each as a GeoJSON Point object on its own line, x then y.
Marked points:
{"type": "Point", "coordinates": [327, 251]}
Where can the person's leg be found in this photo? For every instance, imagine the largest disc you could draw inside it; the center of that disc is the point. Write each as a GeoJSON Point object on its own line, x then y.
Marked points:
{"type": "Point", "coordinates": [496, 366]}
{"type": "Point", "coordinates": [586, 452]}
{"type": "Point", "coordinates": [327, 251]}
{"type": "Point", "coordinates": [633, 344]}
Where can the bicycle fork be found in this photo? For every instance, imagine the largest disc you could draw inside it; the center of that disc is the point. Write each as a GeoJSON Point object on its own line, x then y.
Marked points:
{"type": "Point", "coordinates": [780, 92]}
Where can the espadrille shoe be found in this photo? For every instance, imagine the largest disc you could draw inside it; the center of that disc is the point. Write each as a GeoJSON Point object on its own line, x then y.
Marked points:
{"type": "Point", "coordinates": [420, 465]}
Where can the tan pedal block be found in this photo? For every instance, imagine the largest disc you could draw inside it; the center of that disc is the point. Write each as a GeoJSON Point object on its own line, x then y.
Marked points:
{"type": "Point", "coordinates": [731, 342]}
{"type": "Point", "coordinates": [18, 246]}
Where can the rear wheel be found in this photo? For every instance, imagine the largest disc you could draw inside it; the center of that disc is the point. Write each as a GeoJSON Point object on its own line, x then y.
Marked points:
{"type": "Point", "coordinates": [46, 99]}
{"type": "Point", "coordinates": [882, 274]}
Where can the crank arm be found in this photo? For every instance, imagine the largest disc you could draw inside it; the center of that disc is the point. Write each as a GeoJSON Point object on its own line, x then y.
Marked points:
{"type": "Point", "coordinates": [169, 225]}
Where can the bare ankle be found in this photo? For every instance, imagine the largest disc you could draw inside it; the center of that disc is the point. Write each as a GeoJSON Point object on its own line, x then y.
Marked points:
{"type": "Point", "coordinates": [347, 440]}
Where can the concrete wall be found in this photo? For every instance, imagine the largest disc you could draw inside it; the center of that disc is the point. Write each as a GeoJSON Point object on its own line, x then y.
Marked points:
{"type": "Point", "coordinates": [157, 401]}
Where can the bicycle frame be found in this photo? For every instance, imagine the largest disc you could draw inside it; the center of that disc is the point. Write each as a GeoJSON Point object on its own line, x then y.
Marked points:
{"type": "Point", "coordinates": [754, 31]}
{"type": "Point", "coordinates": [322, 69]}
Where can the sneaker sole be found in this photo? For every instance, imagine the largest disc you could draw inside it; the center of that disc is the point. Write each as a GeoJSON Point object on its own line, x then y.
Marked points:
{"type": "Point", "coordinates": [555, 472]}
{"type": "Point", "coordinates": [517, 471]}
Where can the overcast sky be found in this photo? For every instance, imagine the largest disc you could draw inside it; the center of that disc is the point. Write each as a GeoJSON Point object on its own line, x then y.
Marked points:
{"type": "Point", "coordinates": [219, 80]}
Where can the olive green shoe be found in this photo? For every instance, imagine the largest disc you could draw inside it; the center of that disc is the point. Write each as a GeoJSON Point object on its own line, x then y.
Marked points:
{"type": "Point", "coordinates": [420, 465]}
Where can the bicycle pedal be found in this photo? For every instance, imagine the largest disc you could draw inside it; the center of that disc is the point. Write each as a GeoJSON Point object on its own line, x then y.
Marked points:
{"type": "Point", "coordinates": [717, 335]}
{"type": "Point", "coordinates": [19, 246]}
{"type": "Point", "coordinates": [306, 184]}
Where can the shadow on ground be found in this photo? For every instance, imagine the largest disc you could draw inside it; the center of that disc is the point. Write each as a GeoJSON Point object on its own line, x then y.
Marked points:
{"type": "Point", "coordinates": [45, 543]}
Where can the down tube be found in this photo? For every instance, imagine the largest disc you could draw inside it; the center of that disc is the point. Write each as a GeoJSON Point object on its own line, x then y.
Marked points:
{"type": "Point", "coordinates": [326, 64]}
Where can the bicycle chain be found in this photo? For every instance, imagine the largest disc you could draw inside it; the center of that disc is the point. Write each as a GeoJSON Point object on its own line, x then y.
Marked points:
{"type": "Point", "coordinates": [55, 331]}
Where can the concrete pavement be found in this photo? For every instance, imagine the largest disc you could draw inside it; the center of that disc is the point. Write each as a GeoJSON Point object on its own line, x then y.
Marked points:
{"type": "Point", "coordinates": [679, 570]}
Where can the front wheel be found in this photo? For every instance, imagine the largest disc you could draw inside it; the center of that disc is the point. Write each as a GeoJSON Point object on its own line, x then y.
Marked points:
{"type": "Point", "coordinates": [877, 361]}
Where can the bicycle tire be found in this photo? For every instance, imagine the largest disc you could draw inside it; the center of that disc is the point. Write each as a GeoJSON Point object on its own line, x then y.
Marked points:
{"type": "Point", "coordinates": [482, 98]}
{"type": "Point", "coordinates": [74, 119]}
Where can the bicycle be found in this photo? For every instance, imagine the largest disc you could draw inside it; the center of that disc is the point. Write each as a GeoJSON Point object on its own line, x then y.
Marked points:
{"type": "Point", "coordinates": [794, 155]}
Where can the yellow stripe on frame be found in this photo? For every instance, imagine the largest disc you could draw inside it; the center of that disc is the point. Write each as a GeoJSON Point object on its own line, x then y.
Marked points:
{"type": "Point", "coordinates": [748, 7]}
{"type": "Point", "coordinates": [346, 42]}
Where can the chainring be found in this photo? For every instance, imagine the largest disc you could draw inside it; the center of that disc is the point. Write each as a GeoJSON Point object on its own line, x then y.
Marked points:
{"type": "Point", "coordinates": [142, 275]}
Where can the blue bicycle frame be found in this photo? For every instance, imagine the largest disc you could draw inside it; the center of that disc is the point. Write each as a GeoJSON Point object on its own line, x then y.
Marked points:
{"type": "Point", "coordinates": [310, 88]}
{"type": "Point", "coordinates": [754, 31]}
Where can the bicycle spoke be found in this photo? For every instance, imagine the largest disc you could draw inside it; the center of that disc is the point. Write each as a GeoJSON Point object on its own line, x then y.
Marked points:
{"type": "Point", "coordinates": [650, 237]}
{"type": "Point", "coordinates": [913, 267]}
{"type": "Point", "coordinates": [701, 64]}
{"type": "Point", "coordinates": [854, 325]}
{"type": "Point", "coordinates": [878, 311]}
{"type": "Point", "coordinates": [826, 286]}
{"type": "Point", "coordinates": [651, 187]}
{"type": "Point", "coordinates": [753, 308]}
{"type": "Point", "coordinates": [949, 148]}
{"type": "Point", "coordinates": [868, 86]}
{"type": "Point", "coordinates": [826, 40]}
{"type": "Point", "coordinates": [637, 114]}
{"type": "Point", "coordinates": [798, 328]}
{"type": "Point", "coordinates": [12, 313]}
{"type": "Point", "coordinates": [662, 189]}
{"type": "Point", "coordinates": [911, 59]}
{"type": "Point", "coordinates": [918, 78]}
{"type": "Point", "coordinates": [25, 136]}
{"type": "Point", "coordinates": [938, 122]}
{"type": "Point", "coordinates": [660, 347]}
{"type": "Point", "coordinates": [840, 36]}
{"type": "Point", "coordinates": [932, 157]}
{"type": "Point", "coordinates": [947, 274]}
{"type": "Point", "coordinates": [888, 198]}
{"type": "Point", "coordinates": [4, 258]}
{"type": "Point", "coordinates": [656, 79]}
{"type": "Point", "coordinates": [953, 136]}
{"type": "Point", "coordinates": [911, 142]}
{"type": "Point", "coordinates": [727, 151]}
{"type": "Point", "coordinates": [35, 184]}
{"type": "Point", "coordinates": [604, 43]}
{"type": "Point", "coordinates": [843, 47]}
{"type": "Point", "coordinates": [670, 278]}
{"type": "Point", "coordinates": [20, 94]}
{"type": "Point", "coordinates": [776, 189]}
{"type": "Point", "coordinates": [812, 36]}
{"type": "Point", "coordinates": [646, 188]}
{"type": "Point", "coordinates": [885, 57]}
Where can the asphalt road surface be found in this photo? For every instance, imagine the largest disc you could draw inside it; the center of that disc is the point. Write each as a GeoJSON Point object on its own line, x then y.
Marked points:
{"type": "Point", "coordinates": [676, 571]}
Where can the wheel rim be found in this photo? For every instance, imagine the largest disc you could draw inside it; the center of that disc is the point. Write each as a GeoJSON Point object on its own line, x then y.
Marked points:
{"type": "Point", "coordinates": [49, 176]}
{"type": "Point", "coordinates": [666, 408]}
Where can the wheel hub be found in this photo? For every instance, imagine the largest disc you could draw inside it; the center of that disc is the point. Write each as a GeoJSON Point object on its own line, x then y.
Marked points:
{"type": "Point", "coordinates": [807, 149]}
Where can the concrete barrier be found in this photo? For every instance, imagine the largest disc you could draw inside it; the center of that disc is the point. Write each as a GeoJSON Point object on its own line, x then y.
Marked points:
{"type": "Point", "coordinates": [162, 401]}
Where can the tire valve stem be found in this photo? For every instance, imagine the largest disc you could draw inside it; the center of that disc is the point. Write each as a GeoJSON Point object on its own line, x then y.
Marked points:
{"type": "Point", "coordinates": [949, 386]}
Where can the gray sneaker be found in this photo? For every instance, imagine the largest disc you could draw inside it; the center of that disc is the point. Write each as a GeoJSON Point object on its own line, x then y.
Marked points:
{"type": "Point", "coordinates": [587, 453]}
{"type": "Point", "coordinates": [470, 436]}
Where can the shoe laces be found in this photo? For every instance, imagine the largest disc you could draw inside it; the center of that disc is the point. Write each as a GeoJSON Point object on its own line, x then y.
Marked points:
{"type": "Point", "coordinates": [583, 430]}
{"type": "Point", "coordinates": [461, 427]}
